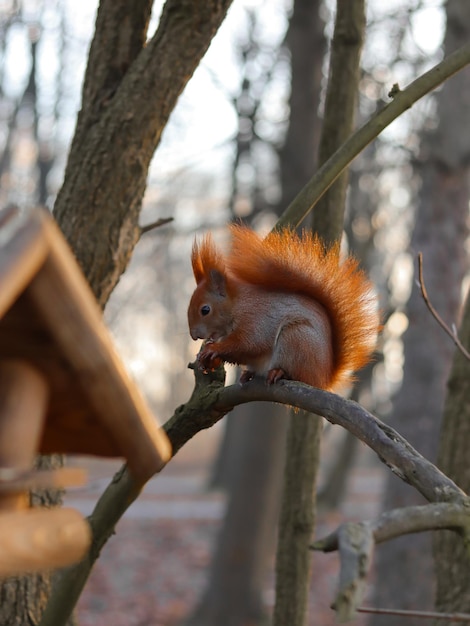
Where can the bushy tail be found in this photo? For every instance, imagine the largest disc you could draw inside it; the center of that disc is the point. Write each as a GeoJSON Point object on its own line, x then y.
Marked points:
{"type": "Point", "coordinates": [283, 261]}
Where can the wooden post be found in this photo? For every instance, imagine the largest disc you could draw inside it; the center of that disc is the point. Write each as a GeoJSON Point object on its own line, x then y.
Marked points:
{"type": "Point", "coordinates": [23, 401]}
{"type": "Point", "coordinates": [30, 539]}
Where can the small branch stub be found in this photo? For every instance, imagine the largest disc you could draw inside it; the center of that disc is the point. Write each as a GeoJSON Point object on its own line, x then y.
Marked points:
{"type": "Point", "coordinates": [355, 543]}
{"type": "Point", "coordinates": [160, 222]}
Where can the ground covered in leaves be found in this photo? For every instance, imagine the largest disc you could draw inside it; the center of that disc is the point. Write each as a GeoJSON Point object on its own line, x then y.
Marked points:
{"type": "Point", "coordinates": [153, 570]}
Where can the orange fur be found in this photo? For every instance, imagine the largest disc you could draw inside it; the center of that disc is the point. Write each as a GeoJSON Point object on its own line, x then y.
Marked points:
{"type": "Point", "coordinates": [205, 257]}
{"type": "Point", "coordinates": [283, 261]}
{"type": "Point", "coordinates": [262, 278]}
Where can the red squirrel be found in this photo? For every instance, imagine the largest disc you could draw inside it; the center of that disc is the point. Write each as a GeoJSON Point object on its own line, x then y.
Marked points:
{"type": "Point", "coordinates": [282, 307]}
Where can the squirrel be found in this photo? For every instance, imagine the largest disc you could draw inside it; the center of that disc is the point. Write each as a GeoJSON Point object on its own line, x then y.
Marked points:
{"type": "Point", "coordinates": [282, 307]}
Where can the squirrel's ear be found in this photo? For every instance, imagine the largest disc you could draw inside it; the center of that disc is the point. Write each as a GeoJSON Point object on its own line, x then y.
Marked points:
{"type": "Point", "coordinates": [217, 284]}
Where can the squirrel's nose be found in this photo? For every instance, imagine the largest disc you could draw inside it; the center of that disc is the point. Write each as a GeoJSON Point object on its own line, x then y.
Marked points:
{"type": "Point", "coordinates": [194, 334]}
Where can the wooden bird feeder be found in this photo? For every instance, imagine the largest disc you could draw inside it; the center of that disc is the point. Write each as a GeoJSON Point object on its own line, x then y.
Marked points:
{"type": "Point", "coordinates": [62, 389]}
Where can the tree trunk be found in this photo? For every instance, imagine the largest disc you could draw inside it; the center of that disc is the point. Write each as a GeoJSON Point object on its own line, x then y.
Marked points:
{"type": "Point", "coordinates": [244, 547]}
{"type": "Point", "coordinates": [229, 598]}
{"type": "Point", "coordinates": [129, 92]}
{"type": "Point", "coordinates": [405, 569]}
{"type": "Point", "coordinates": [340, 110]}
{"type": "Point", "coordinates": [302, 452]}
{"type": "Point", "coordinates": [297, 520]}
{"type": "Point", "coordinates": [452, 564]}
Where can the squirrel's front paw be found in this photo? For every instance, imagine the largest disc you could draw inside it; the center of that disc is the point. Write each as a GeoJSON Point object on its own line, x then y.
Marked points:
{"type": "Point", "coordinates": [208, 359]}
{"type": "Point", "coordinates": [246, 376]}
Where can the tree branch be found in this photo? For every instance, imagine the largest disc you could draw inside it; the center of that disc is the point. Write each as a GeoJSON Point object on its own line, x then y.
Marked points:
{"type": "Point", "coordinates": [392, 449]}
{"type": "Point", "coordinates": [209, 402]}
{"type": "Point", "coordinates": [402, 100]}
{"type": "Point", "coordinates": [197, 414]}
{"type": "Point", "coordinates": [436, 615]}
{"type": "Point", "coordinates": [160, 222]}
{"type": "Point", "coordinates": [356, 542]}
{"type": "Point", "coordinates": [452, 333]}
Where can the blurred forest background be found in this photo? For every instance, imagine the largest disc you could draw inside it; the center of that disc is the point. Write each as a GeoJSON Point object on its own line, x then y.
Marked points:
{"type": "Point", "coordinates": [232, 151]}
{"type": "Point", "coordinates": [219, 157]}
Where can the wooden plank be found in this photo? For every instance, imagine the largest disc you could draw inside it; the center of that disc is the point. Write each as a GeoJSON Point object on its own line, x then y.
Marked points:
{"type": "Point", "coordinates": [41, 539]}
{"type": "Point", "coordinates": [22, 250]}
{"type": "Point", "coordinates": [72, 424]}
{"type": "Point", "coordinates": [12, 480]}
{"type": "Point", "coordinates": [72, 315]}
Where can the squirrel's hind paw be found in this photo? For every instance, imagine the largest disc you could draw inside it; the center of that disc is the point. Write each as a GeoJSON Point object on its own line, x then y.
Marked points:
{"type": "Point", "coordinates": [274, 375]}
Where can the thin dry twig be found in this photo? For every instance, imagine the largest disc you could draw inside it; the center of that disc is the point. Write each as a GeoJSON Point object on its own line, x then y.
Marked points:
{"type": "Point", "coordinates": [451, 617]}
{"type": "Point", "coordinates": [160, 222]}
{"type": "Point", "coordinates": [452, 333]}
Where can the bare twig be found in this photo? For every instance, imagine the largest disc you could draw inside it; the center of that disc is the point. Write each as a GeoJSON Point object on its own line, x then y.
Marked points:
{"type": "Point", "coordinates": [160, 222]}
{"type": "Point", "coordinates": [451, 617]}
{"type": "Point", "coordinates": [452, 333]}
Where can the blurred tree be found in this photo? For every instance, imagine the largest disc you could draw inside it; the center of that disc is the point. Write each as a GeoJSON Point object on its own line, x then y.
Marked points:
{"type": "Point", "coordinates": [440, 233]}
{"type": "Point", "coordinates": [254, 443]}
{"type": "Point", "coordinates": [29, 104]}
{"type": "Point", "coordinates": [298, 506]}
{"type": "Point", "coordinates": [449, 157]}
{"type": "Point", "coordinates": [130, 89]}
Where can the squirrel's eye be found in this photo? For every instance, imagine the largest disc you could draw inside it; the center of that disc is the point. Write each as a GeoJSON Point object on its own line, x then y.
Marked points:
{"type": "Point", "coordinates": [205, 309]}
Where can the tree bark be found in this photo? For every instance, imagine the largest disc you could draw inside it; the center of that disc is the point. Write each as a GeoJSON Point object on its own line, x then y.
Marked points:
{"type": "Point", "coordinates": [340, 110]}
{"type": "Point", "coordinates": [452, 567]}
{"type": "Point", "coordinates": [452, 563]}
{"type": "Point", "coordinates": [440, 234]}
{"type": "Point", "coordinates": [302, 451]}
{"type": "Point", "coordinates": [129, 92]}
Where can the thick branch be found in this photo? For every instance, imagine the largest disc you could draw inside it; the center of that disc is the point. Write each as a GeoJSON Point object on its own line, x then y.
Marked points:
{"type": "Point", "coordinates": [198, 413]}
{"type": "Point", "coordinates": [209, 402]}
{"type": "Point", "coordinates": [390, 446]}
{"type": "Point", "coordinates": [402, 100]}
{"type": "Point", "coordinates": [356, 542]}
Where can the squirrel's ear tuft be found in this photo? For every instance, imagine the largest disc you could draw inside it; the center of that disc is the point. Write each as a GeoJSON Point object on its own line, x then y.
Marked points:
{"type": "Point", "coordinates": [196, 262]}
{"type": "Point", "coordinates": [205, 258]}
